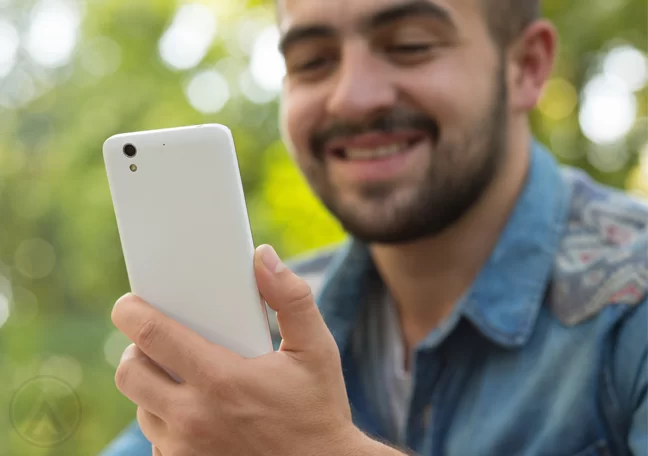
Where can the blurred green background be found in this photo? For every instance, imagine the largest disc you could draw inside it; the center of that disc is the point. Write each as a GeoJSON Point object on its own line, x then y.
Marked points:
{"type": "Point", "coordinates": [73, 73]}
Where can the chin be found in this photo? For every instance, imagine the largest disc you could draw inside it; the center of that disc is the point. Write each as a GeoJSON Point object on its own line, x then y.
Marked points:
{"type": "Point", "coordinates": [401, 217]}
{"type": "Point", "coordinates": [377, 227]}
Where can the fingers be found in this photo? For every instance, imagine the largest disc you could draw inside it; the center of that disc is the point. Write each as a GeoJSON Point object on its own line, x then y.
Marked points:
{"type": "Point", "coordinates": [152, 427]}
{"type": "Point", "coordinates": [300, 322]}
{"type": "Point", "coordinates": [170, 344]}
{"type": "Point", "coordinates": [144, 383]}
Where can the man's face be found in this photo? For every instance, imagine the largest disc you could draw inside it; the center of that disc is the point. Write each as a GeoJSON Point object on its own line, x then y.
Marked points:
{"type": "Point", "coordinates": [395, 110]}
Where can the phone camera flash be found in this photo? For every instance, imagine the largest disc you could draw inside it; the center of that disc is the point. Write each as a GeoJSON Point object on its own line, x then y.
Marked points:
{"type": "Point", "coordinates": [133, 168]}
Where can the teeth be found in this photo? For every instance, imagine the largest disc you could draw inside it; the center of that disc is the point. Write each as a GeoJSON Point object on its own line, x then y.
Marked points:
{"type": "Point", "coordinates": [378, 152]}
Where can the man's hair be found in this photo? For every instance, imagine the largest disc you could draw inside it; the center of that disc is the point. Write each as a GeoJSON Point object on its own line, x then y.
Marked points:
{"type": "Point", "coordinates": [508, 18]}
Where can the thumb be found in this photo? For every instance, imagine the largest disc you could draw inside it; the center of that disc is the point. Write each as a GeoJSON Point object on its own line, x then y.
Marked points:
{"type": "Point", "coordinates": [300, 322]}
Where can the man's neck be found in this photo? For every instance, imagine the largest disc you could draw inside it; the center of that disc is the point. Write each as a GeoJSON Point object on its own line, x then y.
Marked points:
{"type": "Point", "coordinates": [428, 277]}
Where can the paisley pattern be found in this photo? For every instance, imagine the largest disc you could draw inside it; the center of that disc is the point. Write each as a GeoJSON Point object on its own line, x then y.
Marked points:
{"type": "Point", "coordinates": [603, 259]}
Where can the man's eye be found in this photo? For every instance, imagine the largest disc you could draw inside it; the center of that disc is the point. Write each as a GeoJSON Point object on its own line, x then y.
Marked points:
{"type": "Point", "coordinates": [312, 64]}
{"type": "Point", "coordinates": [313, 68]}
{"type": "Point", "coordinates": [409, 48]}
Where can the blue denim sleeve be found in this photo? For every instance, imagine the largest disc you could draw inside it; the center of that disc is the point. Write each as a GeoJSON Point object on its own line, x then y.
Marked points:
{"type": "Point", "coordinates": [131, 442]}
{"type": "Point", "coordinates": [631, 377]}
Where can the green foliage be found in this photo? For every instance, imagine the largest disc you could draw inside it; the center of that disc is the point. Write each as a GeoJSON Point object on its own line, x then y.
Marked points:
{"type": "Point", "coordinates": [61, 266]}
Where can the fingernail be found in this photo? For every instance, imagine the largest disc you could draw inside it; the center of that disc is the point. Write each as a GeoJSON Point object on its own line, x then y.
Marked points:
{"type": "Point", "coordinates": [129, 352]}
{"type": "Point", "coordinates": [271, 260]}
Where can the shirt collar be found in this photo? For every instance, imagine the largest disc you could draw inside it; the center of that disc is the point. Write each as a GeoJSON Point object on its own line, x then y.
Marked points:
{"type": "Point", "coordinates": [507, 295]}
{"type": "Point", "coordinates": [505, 299]}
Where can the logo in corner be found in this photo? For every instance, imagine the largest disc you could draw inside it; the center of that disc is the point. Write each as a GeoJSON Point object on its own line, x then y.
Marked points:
{"type": "Point", "coordinates": [45, 411]}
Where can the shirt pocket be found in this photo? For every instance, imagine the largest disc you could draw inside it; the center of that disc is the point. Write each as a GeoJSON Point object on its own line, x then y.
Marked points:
{"type": "Point", "coordinates": [599, 448]}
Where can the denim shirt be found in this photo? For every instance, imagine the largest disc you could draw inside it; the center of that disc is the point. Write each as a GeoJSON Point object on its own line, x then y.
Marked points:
{"type": "Point", "coordinates": [546, 353]}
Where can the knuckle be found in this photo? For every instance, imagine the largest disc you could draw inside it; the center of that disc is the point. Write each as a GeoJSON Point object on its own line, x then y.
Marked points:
{"type": "Point", "coordinates": [123, 375]}
{"type": "Point", "coordinates": [144, 419]}
{"type": "Point", "coordinates": [147, 334]}
{"type": "Point", "coordinates": [329, 357]}
{"type": "Point", "coordinates": [328, 353]}
{"type": "Point", "coordinates": [333, 354]}
{"type": "Point", "coordinates": [191, 423]}
{"type": "Point", "coordinates": [300, 296]}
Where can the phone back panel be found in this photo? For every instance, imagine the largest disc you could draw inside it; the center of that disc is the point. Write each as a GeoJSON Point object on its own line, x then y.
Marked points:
{"type": "Point", "coordinates": [185, 232]}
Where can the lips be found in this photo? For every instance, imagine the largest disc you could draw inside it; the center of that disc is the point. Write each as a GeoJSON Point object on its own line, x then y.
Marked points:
{"type": "Point", "coordinates": [378, 158]}
{"type": "Point", "coordinates": [373, 146]}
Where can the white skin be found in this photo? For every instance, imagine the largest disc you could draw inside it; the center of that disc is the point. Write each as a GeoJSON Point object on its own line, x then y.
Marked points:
{"type": "Point", "coordinates": [293, 401]}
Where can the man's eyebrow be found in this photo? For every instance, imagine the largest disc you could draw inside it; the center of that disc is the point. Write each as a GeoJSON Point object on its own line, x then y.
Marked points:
{"type": "Point", "coordinates": [303, 33]}
{"type": "Point", "coordinates": [413, 8]}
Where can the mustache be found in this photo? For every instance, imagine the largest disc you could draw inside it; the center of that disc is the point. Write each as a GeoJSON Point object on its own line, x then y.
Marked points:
{"type": "Point", "coordinates": [391, 122]}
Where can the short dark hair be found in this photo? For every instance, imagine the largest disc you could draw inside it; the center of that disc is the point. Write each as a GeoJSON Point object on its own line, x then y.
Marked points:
{"type": "Point", "coordinates": [508, 18]}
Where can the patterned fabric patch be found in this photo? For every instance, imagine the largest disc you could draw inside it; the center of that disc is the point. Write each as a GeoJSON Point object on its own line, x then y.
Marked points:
{"type": "Point", "coordinates": [603, 258]}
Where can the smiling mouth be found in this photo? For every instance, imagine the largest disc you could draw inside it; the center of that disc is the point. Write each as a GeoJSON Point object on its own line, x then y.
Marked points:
{"type": "Point", "coordinates": [374, 152]}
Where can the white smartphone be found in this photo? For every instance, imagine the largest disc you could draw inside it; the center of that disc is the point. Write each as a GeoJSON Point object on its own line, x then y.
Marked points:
{"type": "Point", "coordinates": [185, 232]}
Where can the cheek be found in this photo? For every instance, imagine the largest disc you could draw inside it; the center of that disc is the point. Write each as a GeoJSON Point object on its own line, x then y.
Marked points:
{"type": "Point", "coordinates": [454, 91]}
{"type": "Point", "coordinates": [301, 113]}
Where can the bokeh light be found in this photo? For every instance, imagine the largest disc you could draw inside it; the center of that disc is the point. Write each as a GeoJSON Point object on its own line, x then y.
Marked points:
{"type": "Point", "coordinates": [114, 347]}
{"type": "Point", "coordinates": [628, 64]}
{"type": "Point", "coordinates": [643, 161]}
{"type": "Point", "coordinates": [231, 69]}
{"type": "Point", "coordinates": [208, 91]}
{"type": "Point", "coordinates": [35, 258]}
{"type": "Point", "coordinates": [608, 109]}
{"type": "Point", "coordinates": [53, 32]}
{"type": "Point", "coordinates": [251, 89]}
{"type": "Point", "coordinates": [5, 300]}
{"type": "Point", "coordinates": [24, 306]}
{"type": "Point", "coordinates": [19, 89]}
{"type": "Point", "coordinates": [248, 31]}
{"type": "Point", "coordinates": [63, 367]}
{"type": "Point", "coordinates": [267, 65]}
{"type": "Point", "coordinates": [637, 179]}
{"type": "Point", "coordinates": [9, 43]}
{"type": "Point", "coordinates": [559, 99]}
{"type": "Point", "coordinates": [4, 309]}
{"type": "Point", "coordinates": [188, 38]}
{"type": "Point", "coordinates": [609, 157]}
{"type": "Point", "coordinates": [101, 57]}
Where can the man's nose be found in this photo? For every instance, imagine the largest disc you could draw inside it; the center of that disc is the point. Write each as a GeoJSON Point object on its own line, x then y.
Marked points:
{"type": "Point", "coordinates": [362, 88]}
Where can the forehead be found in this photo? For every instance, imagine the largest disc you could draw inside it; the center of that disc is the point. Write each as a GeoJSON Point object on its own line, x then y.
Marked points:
{"type": "Point", "coordinates": [347, 14]}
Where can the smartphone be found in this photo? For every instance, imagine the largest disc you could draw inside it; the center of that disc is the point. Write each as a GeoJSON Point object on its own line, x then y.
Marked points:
{"type": "Point", "coordinates": [185, 232]}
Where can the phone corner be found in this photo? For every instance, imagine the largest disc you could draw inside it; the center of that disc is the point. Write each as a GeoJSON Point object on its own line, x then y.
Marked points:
{"type": "Point", "coordinates": [219, 131]}
{"type": "Point", "coordinates": [107, 145]}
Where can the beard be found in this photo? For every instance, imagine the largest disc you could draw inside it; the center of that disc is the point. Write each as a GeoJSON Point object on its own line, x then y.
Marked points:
{"type": "Point", "coordinates": [461, 170]}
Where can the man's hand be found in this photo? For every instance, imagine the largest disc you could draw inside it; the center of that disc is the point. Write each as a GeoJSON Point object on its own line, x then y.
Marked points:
{"type": "Point", "coordinates": [290, 402]}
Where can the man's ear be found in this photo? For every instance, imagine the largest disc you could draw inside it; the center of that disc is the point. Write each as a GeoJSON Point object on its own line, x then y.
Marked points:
{"type": "Point", "coordinates": [530, 63]}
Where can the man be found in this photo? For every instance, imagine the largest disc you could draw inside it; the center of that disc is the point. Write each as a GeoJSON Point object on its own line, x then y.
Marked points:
{"type": "Point", "coordinates": [488, 302]}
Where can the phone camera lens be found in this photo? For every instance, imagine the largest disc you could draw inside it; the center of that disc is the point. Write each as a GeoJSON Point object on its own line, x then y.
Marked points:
{"type": "Point", "coordinates": [130, 151]}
